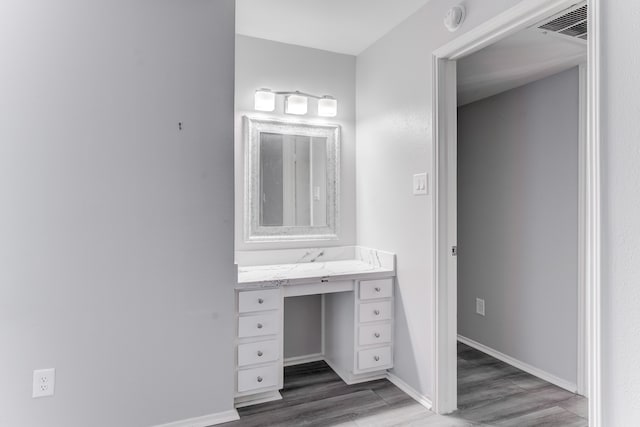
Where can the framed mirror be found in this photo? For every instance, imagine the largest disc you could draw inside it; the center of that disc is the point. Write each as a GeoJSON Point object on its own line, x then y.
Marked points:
{"type": "Point", "coordinates": [292, 180]}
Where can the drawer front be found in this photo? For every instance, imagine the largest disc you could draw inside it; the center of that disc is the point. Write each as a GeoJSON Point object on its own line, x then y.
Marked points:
{"type": "Point", "coordinates": [374, 334]}
{"type": "Point", "coordinates": [373, 311]}
{"type": "Point", "coordinates": [375, 358]}
{"type": "Point", "coordinates": [257, 378]}
{"type": "Point", "coordinates": [372, 289]}
{"type": "Point", "coordinates": [258, 352]}
{"type": "Point", "coordinates": [257, 326]}
{"type": "Point", "coordinates": [250, 301]}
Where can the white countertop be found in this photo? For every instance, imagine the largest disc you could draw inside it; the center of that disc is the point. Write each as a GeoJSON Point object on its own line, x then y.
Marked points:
{"type": "Point", "coordinates": [309, 272]}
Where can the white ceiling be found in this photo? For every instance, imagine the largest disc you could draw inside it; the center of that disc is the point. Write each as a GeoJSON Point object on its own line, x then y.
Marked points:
{"type": "Point", "coordinates": [350, 26]}
{"type": "Point", "coordinates": [525, 57]}
{"type": "Point", "coordinates": [343, 26]}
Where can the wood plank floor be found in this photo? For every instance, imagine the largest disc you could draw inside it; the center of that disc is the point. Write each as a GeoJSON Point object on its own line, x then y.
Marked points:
{"type": "Point", "coordinates": [490, 392]}
{"type": "Point", "coordinates": [494, 393]}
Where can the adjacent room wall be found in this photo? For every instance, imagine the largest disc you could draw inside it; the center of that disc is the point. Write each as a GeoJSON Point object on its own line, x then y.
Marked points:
{"type": "Point", "coordinates": [518, 223]}
{"type": "Point", "coordinates": [620, 106]}
{"type": "Point", "coordinates": [116, 228]}
{"type": "Point", "coordinates": [279, 66]}
{"type": "Point", "coordinates": [394, 141]}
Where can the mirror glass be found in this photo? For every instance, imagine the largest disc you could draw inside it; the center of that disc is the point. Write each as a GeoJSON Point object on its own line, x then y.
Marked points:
{"type": "Point", "coordinates": [291, 180]}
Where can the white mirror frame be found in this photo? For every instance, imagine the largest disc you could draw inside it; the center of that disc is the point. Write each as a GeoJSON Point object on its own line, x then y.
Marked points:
{"type": "Point", "coordinates": [253, 231]}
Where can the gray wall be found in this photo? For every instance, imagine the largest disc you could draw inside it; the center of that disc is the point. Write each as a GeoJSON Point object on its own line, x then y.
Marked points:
{"type": "Point", "coordinates": [394, 124]}
{"type": "Point", "coordinates": [518, 223]}
{"type": "Point", "coordinates": [279, 66]}
{"type": "Point", "coordinates": [620, 212]}
{"type": "Point", "coordinates": [302, 325]}
{"type": "Point", "coordinates": [116, 229]}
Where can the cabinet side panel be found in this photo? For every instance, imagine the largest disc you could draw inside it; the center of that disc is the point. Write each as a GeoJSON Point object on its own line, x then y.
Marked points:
{"type": "Point", "coordinates": [339, 331]}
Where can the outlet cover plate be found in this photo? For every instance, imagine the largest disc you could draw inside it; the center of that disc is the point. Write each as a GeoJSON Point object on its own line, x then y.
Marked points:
{"type": "Point", "coordinates": [480, 306]}
{"type": "Point", "coordinates": [44, 381]}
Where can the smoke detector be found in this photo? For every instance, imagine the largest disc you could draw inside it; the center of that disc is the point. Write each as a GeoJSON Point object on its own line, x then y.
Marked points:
{"type": "Point", "coordinates": [454, 18]}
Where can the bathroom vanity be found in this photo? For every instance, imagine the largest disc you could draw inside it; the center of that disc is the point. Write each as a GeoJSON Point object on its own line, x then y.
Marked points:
{"type": "Point", "coordinates": [292, 190]}
{"type": "Point", "coordinates": [357, 288]}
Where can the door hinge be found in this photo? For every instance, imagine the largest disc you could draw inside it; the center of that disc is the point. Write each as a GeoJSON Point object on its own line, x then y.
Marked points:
{"type": "Point", "coordinates": [454, 251]}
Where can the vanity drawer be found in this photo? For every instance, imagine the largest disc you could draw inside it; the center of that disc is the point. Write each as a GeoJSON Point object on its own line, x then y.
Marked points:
{"type": "Point", "coordinates": [257, 378]}
{"type": "Point", "coordinates": [257, 326]}
{"type": "Point", "coordinates": [373, 311]}
{"type": "Point", "coordinates": [249, 301]}
{"type": "Point", "coordinates": [258, 352]}
{"type": "Point", "coordinates": [374, 334]}
{"type": "Point", "coordinates": [374, 358]}
{"type": "Point", "coordinates": [373, 289]}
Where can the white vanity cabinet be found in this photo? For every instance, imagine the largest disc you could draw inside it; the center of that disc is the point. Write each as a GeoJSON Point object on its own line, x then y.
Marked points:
{"type": "Point", "coordinates": [358, 334]}
{"type": "Point", "coordinates": [259, 316]}
{"type": "Point", "coordinates": [374, 330]}
{"type": "Point", "coordinates": [358, 316]}
{"type": "Point", "coordinates": [364, 351]}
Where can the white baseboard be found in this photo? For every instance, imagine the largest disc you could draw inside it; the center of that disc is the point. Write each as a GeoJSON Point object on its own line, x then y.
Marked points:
{"type": "Point", "coordinates": [573, 388]}
{"type": "Point", "coordinates": [206, 420]}
{"type": "Point", "coordinates": [351, 379]}
{"type": "Point", "coordinates": [299, 360]}
{"type": "Point", "coordinates": [423, 400]}
{"type": "Point", "coordinates": [256, 399]}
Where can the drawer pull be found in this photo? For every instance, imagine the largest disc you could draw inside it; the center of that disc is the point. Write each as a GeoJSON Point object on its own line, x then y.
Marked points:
{"type": "Point", "coordinates": [376, 312]}
{"type": "Point", "coordinates": [260, 353]}
{"type": "Point", "coordinates": [377, 335]}
{"type": "Point", "coordinates": [259, 379]}
{"type": "Point", "coordinates": [259, 325]}
{"type": "Point", "coordinates": [260, 301]}
{"type": "Point", "coordinates": [378, 289]}
{"type": "Point", "coordinates": [376, 358]}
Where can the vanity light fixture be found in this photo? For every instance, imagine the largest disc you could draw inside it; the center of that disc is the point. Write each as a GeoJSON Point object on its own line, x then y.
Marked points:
{"type": "Point", "coordinates": [296, 103]}
{"type": "Point", "coordinates": [265, 100]}
{"type": "Point", "coordinates": [327, 106]}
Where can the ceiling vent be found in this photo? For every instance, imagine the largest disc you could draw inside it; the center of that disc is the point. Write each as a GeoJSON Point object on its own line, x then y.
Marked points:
{"type": "Point", "coordinates": [570, 23]}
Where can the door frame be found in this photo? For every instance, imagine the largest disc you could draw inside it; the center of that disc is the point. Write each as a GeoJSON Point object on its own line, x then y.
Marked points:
{"type": "Point", "coordinates": [444, 301]}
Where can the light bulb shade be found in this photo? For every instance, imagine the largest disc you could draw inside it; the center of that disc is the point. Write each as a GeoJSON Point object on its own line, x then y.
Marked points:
{"type": "Point", "coordinates": [327, 107]}
{"type": "Point", "coordinates": [295, 104]}
{"type": "Point", "coordinates": [265, 100]}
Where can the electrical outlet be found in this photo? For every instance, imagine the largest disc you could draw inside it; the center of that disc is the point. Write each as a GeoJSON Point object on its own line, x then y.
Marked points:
{"type": "Point", "coordinates": [480, 306]}
{"type": "Point", "coordinates": [44, 381]}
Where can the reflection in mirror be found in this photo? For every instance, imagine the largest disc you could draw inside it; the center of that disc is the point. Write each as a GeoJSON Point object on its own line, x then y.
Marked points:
{"type": "Point", "coordinates": [293, 180]}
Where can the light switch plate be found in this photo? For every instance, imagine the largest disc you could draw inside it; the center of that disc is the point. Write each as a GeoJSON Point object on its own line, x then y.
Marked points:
{"type": "Point", "coordinates": [420, 184]}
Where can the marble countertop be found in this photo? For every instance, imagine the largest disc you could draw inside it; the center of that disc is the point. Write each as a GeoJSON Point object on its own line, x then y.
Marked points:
{"type": "Point", "coordinates": [309, 272]}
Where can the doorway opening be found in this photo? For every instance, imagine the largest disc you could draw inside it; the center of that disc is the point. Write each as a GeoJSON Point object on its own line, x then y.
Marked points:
{"type": "Point", "coordinates": [526, 15]}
